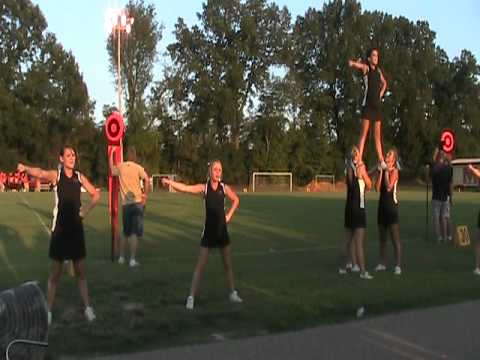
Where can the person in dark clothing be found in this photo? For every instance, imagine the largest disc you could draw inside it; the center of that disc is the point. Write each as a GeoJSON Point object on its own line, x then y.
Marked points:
{"type": "Point", "coordinates": [215, 234]}
{"type": "Point", "coordinates": [374, 89]}
{"type": "Point", "coordinates": [358, 182]}
{"type": "Point", "coordinates": [387, 215]}
{"type": "Point", "coordinates": [441, 175]}
{"type": "Point", "coordinates": [67, 237]}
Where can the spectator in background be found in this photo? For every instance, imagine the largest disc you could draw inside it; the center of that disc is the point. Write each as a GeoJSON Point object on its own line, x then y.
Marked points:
{"type": "Point", "coordinates": [2, 181]}
{"type": "Point", "coordinates": [134, 199]}
{"type": "Point", "coordinates": [441, 175]}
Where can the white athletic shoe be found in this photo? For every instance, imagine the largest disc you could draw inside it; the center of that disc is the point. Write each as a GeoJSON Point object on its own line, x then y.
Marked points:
{"type": "Point", "coordinates": [89, 314]}
{"type": "Point", "coordinates": [380, 267]}
{"type": "Point", "coordinates": [133, 263]}
{"type": "Point", "coordinates": [476, 271]}
{"type": "Point", "coordinates": [349, 266]}
{"type": "Point", "coordinates": [355, 268]}
{"type": "Point", "coordinates": [366, 276]}
{"type": "Point", "coordinates": [121, 260]}
{"type": "Point", "coordinates": [383, 165]}
{"type": "Point", "coordinates": [342, 271]}
{"type": "Point", "coordinates": [397, 270]}
{"type": "Point", "coordinates": [234, 297]}
{"type": "Point", "coordinates": [190, 302]}
{"type": "Point", "coordinates": [49, 318]}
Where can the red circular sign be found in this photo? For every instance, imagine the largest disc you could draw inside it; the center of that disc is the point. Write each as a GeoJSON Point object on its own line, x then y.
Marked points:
{"type": "Point", "coordinates": [114, 128]}
{"type": "Point", "coordinates": [447, 138]}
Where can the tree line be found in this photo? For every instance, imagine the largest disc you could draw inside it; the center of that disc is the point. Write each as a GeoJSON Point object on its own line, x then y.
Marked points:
{"type": "Point", "coordinates": [246, 83]}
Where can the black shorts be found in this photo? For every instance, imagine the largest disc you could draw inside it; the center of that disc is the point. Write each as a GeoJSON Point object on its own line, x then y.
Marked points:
{"type": "Point", "coordinates": [132, 217]}
{"type": "Point", "coordinates": [372, 114]}
{"type": "Point", "coordinates": [355, 218]}
{"type": "Point", "coordinates": [387, 215]}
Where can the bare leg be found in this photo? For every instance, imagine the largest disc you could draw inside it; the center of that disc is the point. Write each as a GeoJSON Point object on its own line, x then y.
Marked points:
{"type": "Point", "coordinates": [436, 222]}
{"type": "Point", "coordinates": [79, 266]}
{"type": "Point", "coordinates": [378, 140]}
{"type": "Point", "coordinates": [443, 227]}
{"type": "Point", "coordinates": [53, 280]}
{"type": "Point", "coordinates": [382, 232]}
{"type": "Point", "coordinates": [359, 235]}
{"type": "Point", "coordinates": [397, 243]}
{"type": "Point", "coordinates": [449, 228]}
{"type": "Point", "coordinates": [363, 136]}
{"type": "Point", "coordinates": [198, 272]}
{"type": "Point", "coordinates": [133, 243]}
{"type": "Point", "coordinates": [227, 265]}
{"type": "Point", "coordinates": [353, 252]}
{"type": "Point", "coordinates": [122, 246]}
{"type": "Point", "coordinates": [345, 253]}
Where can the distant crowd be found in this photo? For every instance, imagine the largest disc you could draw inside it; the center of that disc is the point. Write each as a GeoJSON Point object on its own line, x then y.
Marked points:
{"type": "Point", "coordinates": [16, 181]}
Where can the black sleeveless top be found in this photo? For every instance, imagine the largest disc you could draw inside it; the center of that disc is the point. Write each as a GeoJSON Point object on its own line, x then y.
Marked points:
{"type": "Point", "coordinates": [388, 199]}
{"type": "Point", "coordinates": [215, 231]}
{"type": "Point", "coordinates": [68, 203]}
{"type": "Point", "coordinates": [67, 241]}
{"type": "Point", "coordinates": [355, 191]}
{"type": "Point", "coordinates": [373, 85]}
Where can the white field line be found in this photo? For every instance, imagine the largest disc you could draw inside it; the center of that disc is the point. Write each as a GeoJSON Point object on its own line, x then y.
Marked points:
{"type": "Point", "coordinates": [25, 201]}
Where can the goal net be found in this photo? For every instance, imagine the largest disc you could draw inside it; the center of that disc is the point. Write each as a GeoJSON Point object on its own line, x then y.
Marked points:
{"type": "Point", "coordinates": [325, 182]}
{"type": "Point", "coordinates": [272, 181]}
{"type": "Point", "coordinates": [157, 182]}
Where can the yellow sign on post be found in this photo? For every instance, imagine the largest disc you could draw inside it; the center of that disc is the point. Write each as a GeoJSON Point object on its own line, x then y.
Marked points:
{"type": "Point", "coordinates": [463, 236]}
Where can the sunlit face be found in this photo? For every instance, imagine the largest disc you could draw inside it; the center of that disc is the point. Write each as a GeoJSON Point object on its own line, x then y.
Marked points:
{"type": "Point", "coordinates": [216, 171]}
{"type": "Point", "coordinates": [356, 155]}
{"type": "Point", "coordinates": [391, 158]}
{"type": "Point", "coordinates": [373, 58]}
{"type": "Point", "coordinates": [68, 158]}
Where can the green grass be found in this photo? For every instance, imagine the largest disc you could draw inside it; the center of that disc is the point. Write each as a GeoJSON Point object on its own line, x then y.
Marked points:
{"type": "Point", "coordinates": [285, 253]}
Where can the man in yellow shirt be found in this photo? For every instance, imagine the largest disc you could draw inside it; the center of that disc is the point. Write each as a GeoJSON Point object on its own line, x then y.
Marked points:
{"type": "Point", "coordinates": [134, 198]}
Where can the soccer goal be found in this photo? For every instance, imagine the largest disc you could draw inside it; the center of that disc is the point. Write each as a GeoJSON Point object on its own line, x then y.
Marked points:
{"type": "Point", "coordinates": [325, 182]}
{"type": "Point", "coordinates": [157, 182]}
{"type": "Point", "coordinates": [272, 181]}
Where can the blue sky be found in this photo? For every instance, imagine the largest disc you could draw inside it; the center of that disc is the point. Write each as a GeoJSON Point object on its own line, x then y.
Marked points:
{"type": "Point", "coordinates": [79, 27]}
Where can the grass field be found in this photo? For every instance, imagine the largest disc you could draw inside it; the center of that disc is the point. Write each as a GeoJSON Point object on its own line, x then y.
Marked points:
{"type": "Point", "coordinates": [285, 253]}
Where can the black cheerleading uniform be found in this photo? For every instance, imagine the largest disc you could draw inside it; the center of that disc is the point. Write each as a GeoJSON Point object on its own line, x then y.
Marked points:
{"type": "Point", "coordinates": [387, 204]}
{"type": "Point", "coordinates": [355, 214]}
{"type": "Point", "coordinates": [371, 104]}
{"type": "Point", "coordinates": [67, 240]}
{"type": "Point", "coordinates": [215, 232]}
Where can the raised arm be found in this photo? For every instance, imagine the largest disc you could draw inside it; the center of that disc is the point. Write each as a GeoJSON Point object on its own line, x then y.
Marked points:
{"type": "Point", "coordinates": [113, 168]}
{"type": "Point", "coordinates": [362, 174]}
{"type": "Point", "coordinates": [191, 189]}
{"type": "Point", "coordinates": [49, 175]}
{"type": "Point", "coordinates": [378, 181]}
{"type": "Point", "coordinates": [391, 178]}
{"type": "Point", "coordinates": [235, 202]}
{"type": "Point", "coordinates": [474, 170]}
{"type": "Point", "coordinates": [358, 65]}
{"type": "Point", "coordinates": [94, 196]}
